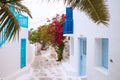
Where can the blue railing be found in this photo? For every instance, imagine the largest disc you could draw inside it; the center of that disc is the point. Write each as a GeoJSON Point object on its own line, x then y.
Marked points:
{"type": "Point", "coordinates": [23, 20]}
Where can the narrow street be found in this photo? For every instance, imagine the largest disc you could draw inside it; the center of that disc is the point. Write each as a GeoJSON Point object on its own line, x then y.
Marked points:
{"type": "Point", "coordinates": [44, 68]}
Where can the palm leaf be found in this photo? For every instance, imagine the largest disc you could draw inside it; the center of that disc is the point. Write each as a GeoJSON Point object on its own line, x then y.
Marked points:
{"type": "Point", "coordinates": [8, 22]}
{"type": "Point", "coordinates": [95, 9]}
{"type": "Point", "coordinates": [21, 8]}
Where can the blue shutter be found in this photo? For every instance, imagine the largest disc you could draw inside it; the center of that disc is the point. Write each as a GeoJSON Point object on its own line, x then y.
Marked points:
{"type": "Point", "coordinates": [68, 25]}
{"type": "Point", "coordinates": [105, 53]}
{"type": "Point", "coordinates": [69, 13]}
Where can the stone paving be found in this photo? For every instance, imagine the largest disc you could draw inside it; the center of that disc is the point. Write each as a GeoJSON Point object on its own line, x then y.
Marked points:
{"type": "Point", "coordinates": [44, 69]}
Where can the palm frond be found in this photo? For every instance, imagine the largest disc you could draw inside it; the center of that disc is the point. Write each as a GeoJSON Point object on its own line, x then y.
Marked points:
{"type": "Point", "coordinates": [9, 23]}
{"type": "Point", "coordinates": [95, 9]}
{"type": "Point", "coordinates": [21, 8]}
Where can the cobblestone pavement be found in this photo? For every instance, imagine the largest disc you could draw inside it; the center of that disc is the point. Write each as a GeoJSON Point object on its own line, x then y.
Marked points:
{"type": "Point", "coordinates": [44, 69]}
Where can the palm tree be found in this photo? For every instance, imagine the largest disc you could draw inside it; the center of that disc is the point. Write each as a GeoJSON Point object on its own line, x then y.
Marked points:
{"type": "Point", "coordinates": [8, 21]}
{"type": "Point", "coordinates": [95, 9]}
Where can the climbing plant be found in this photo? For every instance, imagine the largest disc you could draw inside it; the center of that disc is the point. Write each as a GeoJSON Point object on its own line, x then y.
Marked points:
{"type": "Point", "coordinates": [56, 29]}
{"type": "Point", "coordinates": [51, 34]}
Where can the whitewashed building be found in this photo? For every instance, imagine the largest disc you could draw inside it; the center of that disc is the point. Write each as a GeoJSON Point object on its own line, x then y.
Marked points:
{"type": "Point", "coordinates": [94, 49]}
{"type": "Point", "coordinates": [16, 55]}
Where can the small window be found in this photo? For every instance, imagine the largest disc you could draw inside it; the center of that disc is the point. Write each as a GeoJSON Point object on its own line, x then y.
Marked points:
{"type": "Point", "coordinates": [101, 52]}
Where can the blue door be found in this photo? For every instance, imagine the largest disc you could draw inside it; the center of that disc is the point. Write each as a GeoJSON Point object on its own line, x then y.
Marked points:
{"type": "Point", "coordinates": [82, 56]}
{"type": "Point", "coordinates": [23, 53]}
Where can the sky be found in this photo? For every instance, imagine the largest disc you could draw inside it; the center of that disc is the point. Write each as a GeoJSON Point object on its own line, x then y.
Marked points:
{"type": "Point", "coordinates": [41, 10]}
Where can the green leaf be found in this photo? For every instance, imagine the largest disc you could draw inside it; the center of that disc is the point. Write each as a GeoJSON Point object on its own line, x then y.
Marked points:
{"type": "Point", "coordinates": [95, 9]}
{"type": "Point", "coordinates": [8, 22]}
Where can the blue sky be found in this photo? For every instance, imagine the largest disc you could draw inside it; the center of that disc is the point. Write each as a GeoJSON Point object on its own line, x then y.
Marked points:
{"type": "Point", "coordinates": [41, 10]}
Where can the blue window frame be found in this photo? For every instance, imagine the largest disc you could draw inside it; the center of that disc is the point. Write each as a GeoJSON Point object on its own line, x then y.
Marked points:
{"type": "Point", "coordinates": [23, 20]}
{"type": "Point", "coordinates": [105, 53]}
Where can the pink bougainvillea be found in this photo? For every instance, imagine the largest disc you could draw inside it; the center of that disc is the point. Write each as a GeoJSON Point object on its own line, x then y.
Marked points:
{"type": "Point", "coordinates": [56, 28]}
{"type": "Point", "coordinates": [52, 33]}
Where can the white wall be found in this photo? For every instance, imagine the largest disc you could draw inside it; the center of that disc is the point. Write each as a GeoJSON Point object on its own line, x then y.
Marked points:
{"type": "Point", "coordinates": [10, 55]}
{"type": "Point", "coordinates": [84, 27]}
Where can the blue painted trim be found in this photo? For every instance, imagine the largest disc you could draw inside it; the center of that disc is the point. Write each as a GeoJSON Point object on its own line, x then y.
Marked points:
{"type": "Point", "coordinates": [105, 53]}
{"type": "Point", "coordinates": [23, 20]}
{"type": "Point", "coordinates": [83, 45]}
{"type": "Point", "coordinates": [68, 24]}
{"type": "Point", "coordinates": [68, 27]}
{"type": "Point", "coordinates": [69, 13]}
{"type": "Point", "coordinates": [23, 53]}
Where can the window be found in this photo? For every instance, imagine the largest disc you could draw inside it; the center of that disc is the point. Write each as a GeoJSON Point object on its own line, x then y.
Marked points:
{"type": "Point", "coordinates": [101, 52]}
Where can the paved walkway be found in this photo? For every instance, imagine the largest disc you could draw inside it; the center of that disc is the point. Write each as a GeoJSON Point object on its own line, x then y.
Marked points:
{"type": "Point", "coordinates": [44, 69]}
